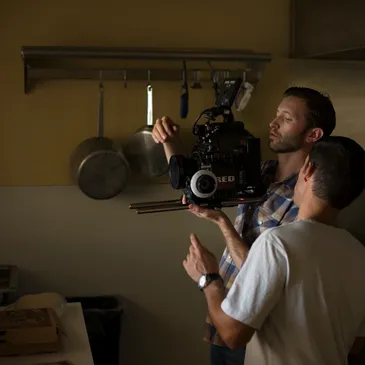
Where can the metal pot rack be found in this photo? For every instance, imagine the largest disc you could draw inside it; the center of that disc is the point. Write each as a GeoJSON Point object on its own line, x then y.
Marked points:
{"type": "Point", "coordinates": [58, 62]}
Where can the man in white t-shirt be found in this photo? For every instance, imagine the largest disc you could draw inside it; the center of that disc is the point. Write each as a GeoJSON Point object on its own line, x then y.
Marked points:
{"type": "Point", "coordinates": [299, 297]}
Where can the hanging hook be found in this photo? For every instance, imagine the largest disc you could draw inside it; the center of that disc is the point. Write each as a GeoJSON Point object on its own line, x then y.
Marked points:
{"type": "Point", "coordinates": [101, 106]}
{"type": "Point", "coordinates": [214, 78]}
{"type": "Point", "coordinates": [149, 77]}
{"type": "Point", "coordinates": [125, 78]}
{"type": "Point", "coordinates": [101, 78]}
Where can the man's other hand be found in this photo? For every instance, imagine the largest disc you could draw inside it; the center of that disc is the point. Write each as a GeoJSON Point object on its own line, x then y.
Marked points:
{"type": "Point", "coordinates": [199, 260]}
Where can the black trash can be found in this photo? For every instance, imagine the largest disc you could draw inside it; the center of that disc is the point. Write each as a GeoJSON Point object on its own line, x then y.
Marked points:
{"type": "Point", "coordinates": [103, 318]}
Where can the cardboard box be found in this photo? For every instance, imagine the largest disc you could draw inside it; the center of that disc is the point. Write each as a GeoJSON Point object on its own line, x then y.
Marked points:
{"type": "Point", "coordinates": [29, 331]}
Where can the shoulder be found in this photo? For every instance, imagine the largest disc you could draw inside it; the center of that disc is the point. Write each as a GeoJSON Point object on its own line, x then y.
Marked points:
{"type": "Point", "coordinates": [271, 237]}
{"type": "Point", "coordinates": [280, 235]}
{"type": "Point", "coordinates": [290, 228]}
{"type": "Point", "coordinates": [305, 229]}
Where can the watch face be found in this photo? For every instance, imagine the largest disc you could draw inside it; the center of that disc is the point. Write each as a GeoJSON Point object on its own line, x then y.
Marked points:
{"type": "Point", "coordinates": [202, 281]}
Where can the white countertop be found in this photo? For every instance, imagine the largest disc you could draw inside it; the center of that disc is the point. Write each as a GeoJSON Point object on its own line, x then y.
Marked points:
{"type": "Point", "coordinates": [75, 347]}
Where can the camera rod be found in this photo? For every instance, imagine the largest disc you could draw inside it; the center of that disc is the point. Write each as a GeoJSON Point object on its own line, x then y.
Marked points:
{"type": "Point", "coordinates": [175, 205]}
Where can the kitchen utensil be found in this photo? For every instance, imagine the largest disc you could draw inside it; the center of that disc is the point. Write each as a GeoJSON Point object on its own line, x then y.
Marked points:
{"type": "Point", "coordinates": [98, 165]}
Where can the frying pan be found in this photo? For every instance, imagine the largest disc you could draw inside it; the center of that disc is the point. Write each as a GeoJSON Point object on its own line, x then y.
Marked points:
{"type": "Point", "coordinates": [145, 156]}
{"type": "Point", "coordinates": [98, 165]}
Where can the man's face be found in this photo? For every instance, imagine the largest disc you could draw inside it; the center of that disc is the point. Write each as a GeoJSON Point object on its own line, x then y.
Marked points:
{"type": "Point", "coordinates": [289, 127]}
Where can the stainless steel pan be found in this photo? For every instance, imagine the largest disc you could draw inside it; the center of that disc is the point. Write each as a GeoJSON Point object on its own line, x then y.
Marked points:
{"type": "Point", "coordinates": [98, 165]}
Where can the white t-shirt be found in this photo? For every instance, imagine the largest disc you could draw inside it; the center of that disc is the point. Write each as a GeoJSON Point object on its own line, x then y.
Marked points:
{"type": "Point", "coordinates": [302, 288]}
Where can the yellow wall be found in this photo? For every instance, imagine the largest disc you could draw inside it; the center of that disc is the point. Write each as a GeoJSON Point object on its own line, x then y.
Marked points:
{"type": "Point", "coordinates": [40, 130]}
{"type": "Point", "coordinates": [65, 242]}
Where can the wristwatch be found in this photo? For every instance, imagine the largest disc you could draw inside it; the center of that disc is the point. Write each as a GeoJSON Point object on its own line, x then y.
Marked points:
{"type": "Point", "coordinates": [206, 279]}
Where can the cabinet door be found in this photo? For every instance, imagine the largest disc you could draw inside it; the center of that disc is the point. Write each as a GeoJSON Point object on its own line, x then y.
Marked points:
{"type": "Point", "coordinates": [321, 27]}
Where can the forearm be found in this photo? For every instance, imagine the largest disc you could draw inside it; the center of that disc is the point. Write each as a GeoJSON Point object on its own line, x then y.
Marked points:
{"type": "Point", "coordinates": [237, 248]}
{"type": "Point", "coordinates": [173, 147]}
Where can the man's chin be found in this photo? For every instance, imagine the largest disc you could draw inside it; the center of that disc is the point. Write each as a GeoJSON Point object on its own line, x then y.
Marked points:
{"type": "Point", "coordinates": [280, 148]}
{"type": "Point", "coordinates": [275, 147]}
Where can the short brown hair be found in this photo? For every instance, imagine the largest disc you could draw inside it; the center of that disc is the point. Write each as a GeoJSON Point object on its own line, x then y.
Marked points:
{"type": "Point", "coordinates": [321, 113]}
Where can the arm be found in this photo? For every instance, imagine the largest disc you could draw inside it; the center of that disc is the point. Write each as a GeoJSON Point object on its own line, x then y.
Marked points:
{"type": "Point", "coordinates": [258, 286]}
{"type": "Point", "coordinates": [165, 131]}
{"type": "Point", "coordinates": [237, 247]}
{"type": "Point", "coordinates": [173, 146]}
{"type": "Point", "coordinates": [234, 333]}
{"type": "Point", "coordinates": [255, 292]}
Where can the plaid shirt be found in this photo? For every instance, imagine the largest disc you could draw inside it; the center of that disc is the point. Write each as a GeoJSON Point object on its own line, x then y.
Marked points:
{"type": "Point", "coordinates": [252, 220]}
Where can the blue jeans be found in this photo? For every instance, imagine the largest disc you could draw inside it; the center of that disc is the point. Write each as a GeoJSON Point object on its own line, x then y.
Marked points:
{"type": "Point", "coordinates": [225, 356]}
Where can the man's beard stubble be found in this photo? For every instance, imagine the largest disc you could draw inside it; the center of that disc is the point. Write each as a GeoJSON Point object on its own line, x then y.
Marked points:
{"type": "Point", "coordinates": [287, 144]}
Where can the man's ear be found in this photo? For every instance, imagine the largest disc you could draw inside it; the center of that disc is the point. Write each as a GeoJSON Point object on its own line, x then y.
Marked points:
{"type": "Point", "coordinates": [313, 135]}
{"type": "Point", "coordinates": [308, 171]}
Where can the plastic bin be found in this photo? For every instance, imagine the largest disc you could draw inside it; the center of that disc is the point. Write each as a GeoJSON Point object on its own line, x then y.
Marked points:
{"type": "Point", "coordinates": [9, 275]}
{"type": "Point", "coordinates": [103, 319]}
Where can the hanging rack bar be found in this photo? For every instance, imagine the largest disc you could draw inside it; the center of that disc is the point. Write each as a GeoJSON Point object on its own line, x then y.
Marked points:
{"type": "Point", "coordinates": [38, 62]}
{"type": "Point", "coordinates": [30, 52]}
{"type": "Point", "coordinates": [122, 74]}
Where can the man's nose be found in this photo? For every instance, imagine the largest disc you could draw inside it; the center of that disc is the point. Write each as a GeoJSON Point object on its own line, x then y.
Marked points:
{"type": "Point", "coordinates": [274, 124]}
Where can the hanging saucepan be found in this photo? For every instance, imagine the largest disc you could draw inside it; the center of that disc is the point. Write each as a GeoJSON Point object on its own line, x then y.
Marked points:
{"type": "Point", "coordinates": [144, 155]}
{"type": "Point", "coordinates": [98, 165]}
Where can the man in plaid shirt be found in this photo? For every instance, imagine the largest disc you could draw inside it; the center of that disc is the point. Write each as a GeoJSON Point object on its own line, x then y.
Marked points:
{"type": "Point", "coordinates": [302, 118]}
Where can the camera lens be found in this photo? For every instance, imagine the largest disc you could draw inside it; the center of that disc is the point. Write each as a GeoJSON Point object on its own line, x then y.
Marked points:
{"type": "Point", "coordinates": [181, 167]}
{"type": "Point", "coordinates": [205, 184]}
{"type": "Point", "coordinates": [176, 171]}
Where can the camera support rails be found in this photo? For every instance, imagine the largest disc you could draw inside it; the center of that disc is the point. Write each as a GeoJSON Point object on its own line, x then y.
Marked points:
{"type": "Point", "coordinates": [174, 205]}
